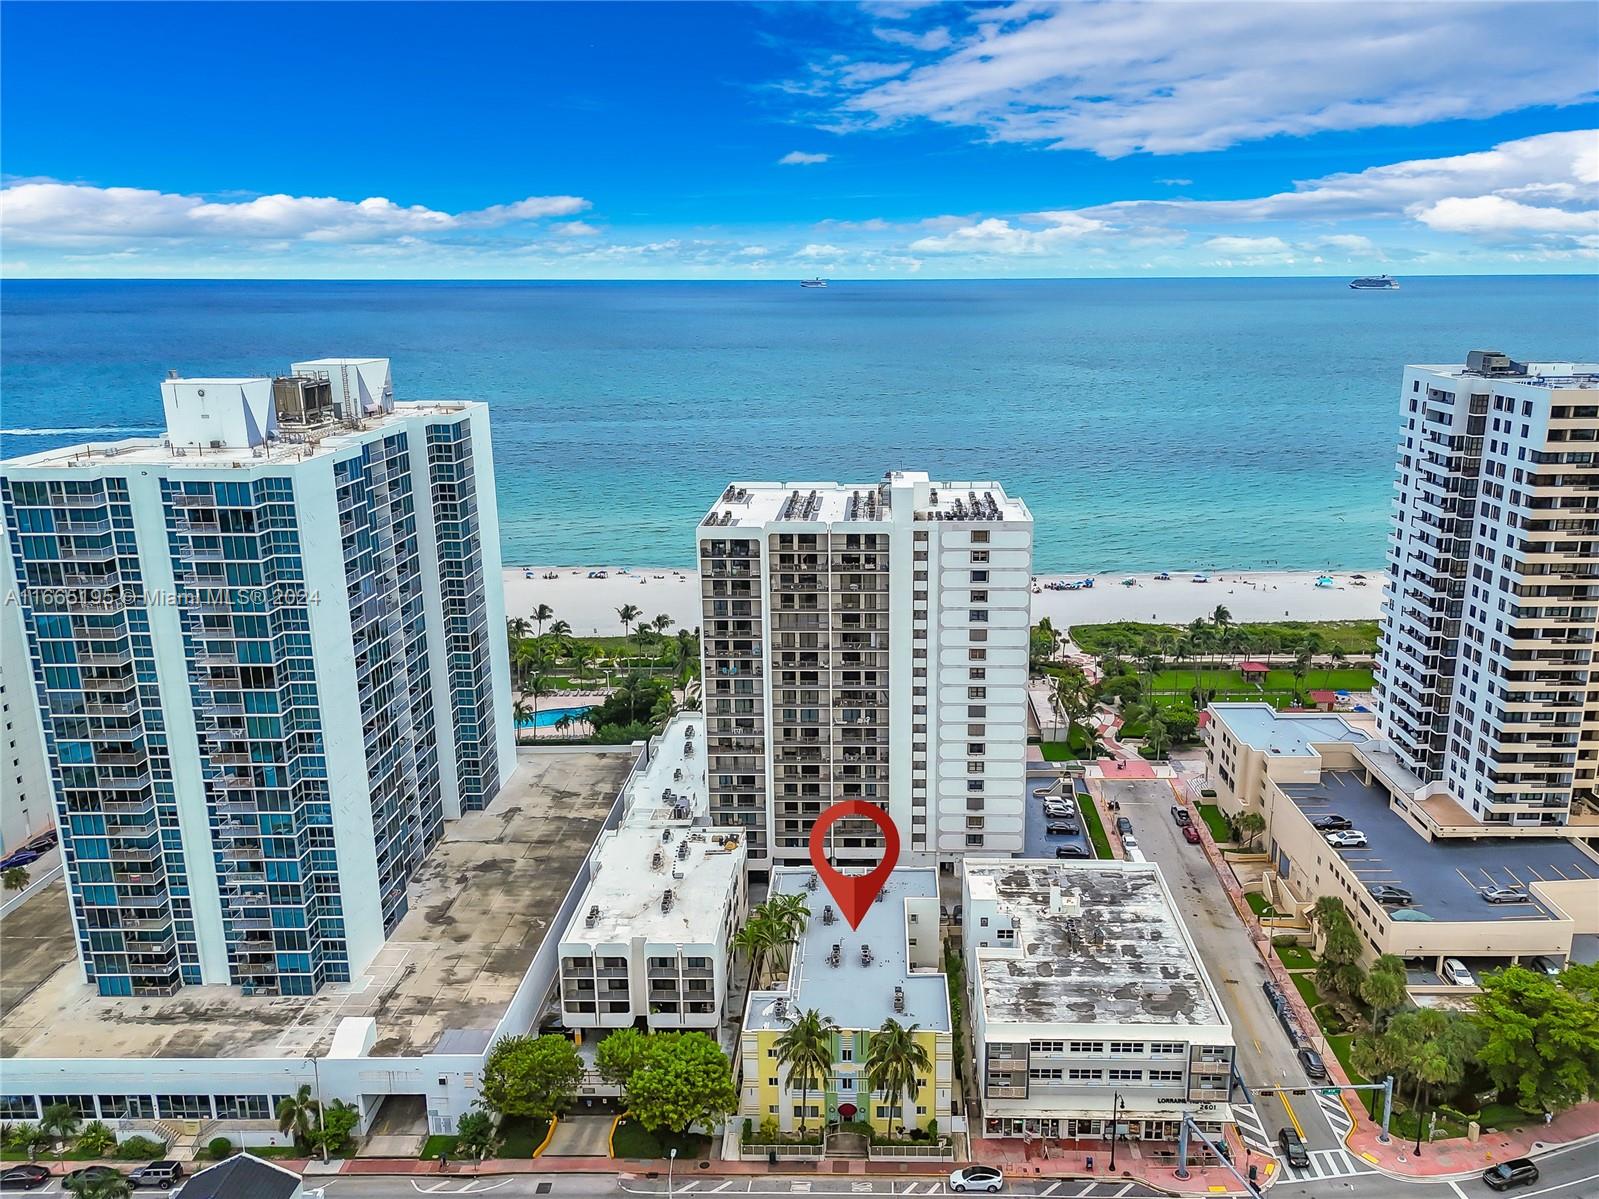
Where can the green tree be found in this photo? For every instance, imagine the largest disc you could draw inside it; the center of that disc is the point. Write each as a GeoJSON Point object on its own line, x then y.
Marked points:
{"type": "Point", "coordinates": [685, 1080]}
{"type": "Point", "coordinates": [531, 1076]}
{"type": "Point", "coordinates": [541, 615]}
{"type": "Point", "coordinates": [475, 1135]}
{"type": "Point", "coordinates": [790, 914]}
{"type": "Point", "coordinates": [1540, 1035]}
{"type": "Point", "coordinates": [1221, 618]}
{"type": "Point", "coordinates": [537, 686]}
{"type": "Point", "coordinates": [1072, 696]}
{"type": "Point", "coordinates": [1435, 1049]}
{"type": "Point", "coordinates": [297, 1115]}
{"type": "Point", "coordinates": [96, 1139]}
{"type": "Point", "coordinates": [805, 1050]}
{"type": "Point", "coordinates": [1383, 988]}
{"type": "Point", "coordinates": [1156, 739]}
{"type": "Point", "coordinates": [1251, 824]}
{"type": "Point", "coordinates": [333, 1130]}
{"type": "Point", "coordinates": [1040, 644]}
{"type": "Point", "coordinates": [15, 878]}
{"type": "Point", "coordinates": [26, 1137]}
{"type": "Point", "coordinates": [106, 1186]}
{"type": "Point", "coordinates": [896, 1064]}
{"type": "Point", "coordinates": [620, 1054]}
{"type": "Point", "coordinates": [59, 1121]}
{"type": "Point", "coordinates": [627, 614]}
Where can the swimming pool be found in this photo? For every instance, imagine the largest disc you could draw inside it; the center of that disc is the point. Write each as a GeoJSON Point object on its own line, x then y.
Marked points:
{"type": "Point", "coordinates": [549, 717]}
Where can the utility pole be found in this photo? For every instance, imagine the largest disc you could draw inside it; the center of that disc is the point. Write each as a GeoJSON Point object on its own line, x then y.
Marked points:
{"type": "Point", "coordinates": [1115, 1108]}
{"type": "Point", "coordinates": [671, 1159]}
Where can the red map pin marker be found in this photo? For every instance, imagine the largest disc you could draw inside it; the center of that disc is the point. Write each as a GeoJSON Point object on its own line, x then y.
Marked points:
{"type": "Point", "coordinates": [854, 892]}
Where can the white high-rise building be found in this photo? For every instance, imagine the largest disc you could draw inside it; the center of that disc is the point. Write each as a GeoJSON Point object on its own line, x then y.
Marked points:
{"type": "Point", "coordinates": [268, 651]}
{"type": "Point", "coordinates": [1486, 683]}
{"type": "Point", "coordinates": [867, 642]}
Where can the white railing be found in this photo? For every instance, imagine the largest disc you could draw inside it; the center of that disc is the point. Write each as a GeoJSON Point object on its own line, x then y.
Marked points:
{"type": "Point", "coordinates": [944, 1151]}
{"type": "Point", "coordinates": [761, 1153]}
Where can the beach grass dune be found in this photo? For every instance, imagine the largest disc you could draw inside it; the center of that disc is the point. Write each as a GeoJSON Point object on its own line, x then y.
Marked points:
{"type": "Point", "coordinates": [590, 604]}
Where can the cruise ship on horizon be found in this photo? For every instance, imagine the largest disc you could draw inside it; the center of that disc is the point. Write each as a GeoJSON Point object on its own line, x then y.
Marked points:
{"type": "Point", "coordinates": [1374, 283]}
{"type": "Point", "coordinates": [816, 282]}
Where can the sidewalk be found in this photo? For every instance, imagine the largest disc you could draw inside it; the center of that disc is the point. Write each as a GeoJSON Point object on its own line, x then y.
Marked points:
{"type": "Point", "coordinates": [1044, 1160]}
{"type": "Point", "coordinates": [1460, 1158]}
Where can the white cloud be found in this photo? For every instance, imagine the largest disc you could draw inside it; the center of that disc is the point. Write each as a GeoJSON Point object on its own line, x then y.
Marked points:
{"type": "Point", "coordinates": [1168, 78]}
{"type": "Point", "coordinates": [1496, 216]}
{"type": "Point", "coordinates": [996, 236]}
{"type": "Point", "coordinates": [1251, 246]}
{"type": "Point", "coordinates": [575, 229]}
{"type": "Point", "coordinates": [68, 213]}
{"type": "Point", "coordinates": [1351, 243]}
{"type": "Point", "coordinates": [1174, 182]}
{"type": "Point", "coordinates": [751, 252]}
{"type": "Point", "coordinates": [933, 39]}
{"type": "Point", "coordinates": [815, 250]}
{"type": "Point", "coordinates": [799, 158]}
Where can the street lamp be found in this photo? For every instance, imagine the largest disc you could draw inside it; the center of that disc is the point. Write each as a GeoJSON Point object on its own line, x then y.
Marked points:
{"type": "Point", "coordinates": [1115, 1107]}
{"type": "Point", "coordinates": [321, 1122]}
{"type": "Point", "coordinates": [671, 1157]}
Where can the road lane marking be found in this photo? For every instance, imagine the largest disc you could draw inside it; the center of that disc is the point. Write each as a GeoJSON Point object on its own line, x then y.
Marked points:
{"type": "Point", "coordinates": [1455, 1187]}
{"type": "Point", "coordinates": [1050, 1189]}
{"type": "Point", "coordinates": [1292, 1116]}
{"type": "Point", "coordinates": [688, 1186]}
{"type": "Point", "coordinates": [1559, 1186]}
{"type": "Point", "coordinates": [720, 1189]}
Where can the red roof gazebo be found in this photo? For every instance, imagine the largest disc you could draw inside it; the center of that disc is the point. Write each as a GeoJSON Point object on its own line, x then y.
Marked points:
{"type": "Point", "coordinates": [1254, 672]}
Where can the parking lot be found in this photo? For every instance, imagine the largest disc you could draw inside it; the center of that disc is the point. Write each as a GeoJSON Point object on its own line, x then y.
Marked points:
{"type": "Point", "coordinates": [1445, 876]}
{"type": "Point", "coordinates": [1039, 843]}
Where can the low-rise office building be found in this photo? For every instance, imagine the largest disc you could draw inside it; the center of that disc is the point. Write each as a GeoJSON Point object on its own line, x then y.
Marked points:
{"type": "Point", "coordinates": [1087, 994]}
{"type": "Point", "coordinates": [1295, 768]}
{"type": "Point", "coordinates": [889, 968]}
{"type": "Point", "coordinates": [649, 942]}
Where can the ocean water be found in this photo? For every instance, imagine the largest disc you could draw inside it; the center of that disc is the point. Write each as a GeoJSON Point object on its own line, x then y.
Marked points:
{"type": "Point", "coordinates": [1225, 424]}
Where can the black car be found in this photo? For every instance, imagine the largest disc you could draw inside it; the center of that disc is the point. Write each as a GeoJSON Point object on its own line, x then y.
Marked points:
{"type": "Point", "coordinates": [163, 1174]}
{"type": "Point", "coordinates": [24, 1178]}
{"type": "Point", "coordinates": [1062, 828]}
{"type": "Point", "coordinates": [1329, 822]}
{"type": "Point", "coordinates": [1180, 815]}
{"type": "Point", "coordinates": [1518, 1173]}
{"type": "Point", "coordinates": [1123, 825]}
{"type": "Point", "coordinates": [1070, 851]}
{"type": "Point", "coordinates": [44, 842]}
{"type": "Point", "coordinates": [80, 1180]}
{"type": "Point", "coordinates": [1388, 893]}
{"type": "Point", "coordinates": [1315, 1068]}
{"type": "Point", "coordinates": [1293, 1148]}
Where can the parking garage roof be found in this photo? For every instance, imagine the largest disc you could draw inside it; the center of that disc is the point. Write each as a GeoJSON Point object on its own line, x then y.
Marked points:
{"type": "Point", "coordinates": [1446, 875]}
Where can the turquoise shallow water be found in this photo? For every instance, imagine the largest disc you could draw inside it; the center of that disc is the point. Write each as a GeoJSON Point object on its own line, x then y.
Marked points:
{"type": "Point", "coordinates": [1218, 423]}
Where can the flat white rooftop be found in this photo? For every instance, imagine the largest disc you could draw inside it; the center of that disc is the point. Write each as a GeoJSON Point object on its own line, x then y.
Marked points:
{"type": "Point", "coordinates": [1562, 375]}
{"type": "Point", "coordinates": [291, 447]}
{"type": "Point", "coordinates": [671, 786]}
{"type": "Point", "coordinates": [762, 503]}
{"type": "Point", "coordinates": [1123, 958]}
{"type": "Point", "coordinates": [853, 994]}
{"type": "Point", "coordinates": [1262, 727]}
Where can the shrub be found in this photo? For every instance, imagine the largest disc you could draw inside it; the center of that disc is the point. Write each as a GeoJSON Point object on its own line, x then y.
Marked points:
{"type": "Point", "coordinates": [1207, 792]}
{"type": "Point", "coordinates": [219, 1148]}
{"type": "Point", "coordinates": [96, 1139]}
{"type": "Point", "coordinates": [769, 1130]}
{"type": "Point", "coordinates": [749, 1129]}
{"type": "Point", "coordinates": [137, 1147]}
{"type": "Point", "coordinates": [932, 1129]}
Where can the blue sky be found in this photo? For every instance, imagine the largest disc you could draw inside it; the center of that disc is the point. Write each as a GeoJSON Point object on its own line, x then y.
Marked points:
{"type": "Point", "coordinates": [769, 141]}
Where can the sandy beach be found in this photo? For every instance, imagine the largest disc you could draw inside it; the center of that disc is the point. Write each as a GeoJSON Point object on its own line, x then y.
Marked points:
{"type": "Point", "coordinates": [589, 604]}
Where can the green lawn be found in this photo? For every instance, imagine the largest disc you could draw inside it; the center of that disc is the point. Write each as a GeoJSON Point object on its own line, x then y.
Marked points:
{"type": "Point", "coordinates": [1134, 638]}
{"type": "Point", "coordinates": [1306, 986]}
{"type": "Point", "coordinates": [431, 1148]}
{"type": "Point", "coordinates": [1093, 827]}
{"type": "Point", "coordinates": [520, 1135]}
{"type": "Point", "coordinates": [1078, 747]}
{"type": "Point", "coordinates": [283, 1152]}
{"type": "Point", "coordinates": [1296, 957]}
{"type": "Point", "coordinates": [634, 1140]}
{"type": "Point", "coordinates": [1220, 832]}
{"type": "Point", "coordinates": [1259, 904]}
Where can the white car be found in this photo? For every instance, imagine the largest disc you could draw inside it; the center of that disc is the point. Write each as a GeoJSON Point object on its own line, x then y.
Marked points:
{"type": "Point", "coordinates": [1059, 807]}
{"type": "Point", "coordinates": [1456, 973]}
{"type": "Point", "coordinates": [976, 1178]}
{"type": "Point", "coordinates": [1129, 842]}
{"type": "Point", "coordinates": [1349, 838]}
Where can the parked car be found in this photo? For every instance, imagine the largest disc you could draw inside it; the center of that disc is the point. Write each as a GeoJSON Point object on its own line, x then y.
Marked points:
{"type": "Point", "coordinates": [1505, 895]}
{"type": "Point", "coordinates": [1190, 834]}
{"type": "Point", "coordinates": [1388, 893]}
{"type": "Point", "coordinates": [1542, 965]}
{"type": "Point", "coordinates": [1059, 807]}
{"type": "Point", "coordinates": [1123, 825]}
{"type": "Point", "coordinates": [1294, 1151]}
{"type": "Point", "coordinates": [1329, 822]}
{"type": "Point", "coordinates": [1063, 828]}
{"type": "Point", "coordinates": [1456, 972]}
{"type": "Point", "coordinates": [80, 1180]}
{"type": "Point", "coordinates": [24, 1178]}
{"type": "Point", "coordinates": [163, 1174]}
{"type": "Point", "coordinates": [1129, 842]}
{"type": "Point", "coordinates": [1070, 851]}
{"type": "Point", "coordinates": [976, 1178]}
{"type": "Point", "coordinates": [1351, 838]}
{"type": "Point", "coordinates": [1315, 1068]}
{"type": "Point", "coordinates": [1519, 1172]}
{"type": "Point", "coordinates": [44, 842]}
{"type": "Point", "coordinates": [22, 857]}
{"type": "Point", "coordinates": [1180, 815]}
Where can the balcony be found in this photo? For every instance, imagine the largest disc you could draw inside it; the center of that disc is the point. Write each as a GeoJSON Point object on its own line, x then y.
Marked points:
{"type": "Point", "coordinates": [122, 657]}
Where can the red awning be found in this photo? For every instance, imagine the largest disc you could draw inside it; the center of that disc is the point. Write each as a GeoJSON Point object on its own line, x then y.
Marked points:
{"type": "Point", "coordinates": [1323, 697]}
{"type": "Point", "coordinates": [1252, 667]}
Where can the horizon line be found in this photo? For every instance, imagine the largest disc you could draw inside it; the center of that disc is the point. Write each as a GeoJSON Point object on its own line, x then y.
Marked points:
{"type": "Point", "coordinates": [785, 280]}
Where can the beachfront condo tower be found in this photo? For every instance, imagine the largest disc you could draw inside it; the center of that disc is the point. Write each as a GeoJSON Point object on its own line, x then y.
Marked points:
{"type": "Point", "coordinates": [1486, 683]}
{"type": "Point", "coordinates": [268, 651]}
{"type": "Point", "coordinates": [867, 642]}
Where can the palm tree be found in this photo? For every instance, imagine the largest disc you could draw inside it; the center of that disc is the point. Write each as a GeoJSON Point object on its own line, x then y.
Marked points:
{"type": "Point", "coordinates": [14, 878]}
{"type": "Point", "coordinates": [297, 1114]}
{"type": "Point", "coordinates": [805, 1050]}
{"type": "Point", "coordinates": [582, 654]}
{"type": "Point", "coordinates": [1384, 987]}
{"type": "Point", "coordinates": [753, 938]}
{"type": "Point", "coordinates": [895, 1064]}
{"type": "Point", "coordinates": [515, 629]}
{"type": "Point", "coordinates": [519, 712]}
{"type": "Point", "coordinates": [1156, 739]}
{"type": "Point", "coordinates": [1338, 658]}
{"type": "Point", "coordinates": [789, 914]}
{"type": "Point", "coordinates": [564, 723]}
{"type": "Point", "coordinates": [541, 614]}
{"type": "Point", "coordinates": [1221, 618]}
{"type": "Point", "coordinates": [1251, 824]}
{"type": "Point", "coordinates": [104, 1186]}
{"type": "Point", "coordinates": [538, 685]}
{"type": "Point", "coordinates": [662, 622]}
{"type": "Point", "coordinates": [627, 614]}
{"type": "Point", "coordinates": [561, 629]}
{"type": "Point", "coordinates": [59, 1121]}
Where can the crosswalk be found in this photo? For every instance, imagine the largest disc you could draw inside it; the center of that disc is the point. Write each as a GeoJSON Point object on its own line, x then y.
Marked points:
{"type": "Point", "coordinates": [1337, 1115]}
{"type": "Point", "coordinates": [1252, 1129]}
{"type": "Point", "coordinates": [1331, 1163]}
